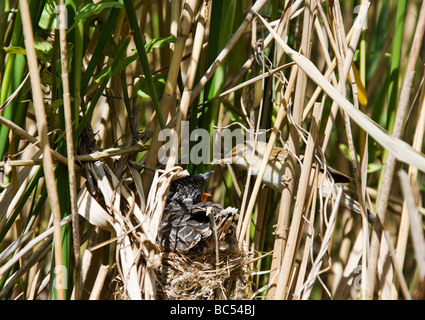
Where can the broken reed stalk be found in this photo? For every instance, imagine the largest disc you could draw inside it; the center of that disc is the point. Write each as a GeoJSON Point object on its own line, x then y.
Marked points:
{"type": "Point", "coordinates": [49, 173]}
{"type": "Point", "coordinates": [97, 155]}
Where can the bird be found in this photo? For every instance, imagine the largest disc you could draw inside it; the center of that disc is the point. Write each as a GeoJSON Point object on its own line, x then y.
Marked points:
{"type": "Point", "coordinates": [185, 226]}
{"type": "Point", "coordinates": [244, 156]}
{"type": "Point", "coordinates": [189, 189]}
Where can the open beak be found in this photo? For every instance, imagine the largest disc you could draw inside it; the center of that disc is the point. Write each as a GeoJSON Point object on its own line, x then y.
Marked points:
{"type": "Point", "coordinates": [205, 196]}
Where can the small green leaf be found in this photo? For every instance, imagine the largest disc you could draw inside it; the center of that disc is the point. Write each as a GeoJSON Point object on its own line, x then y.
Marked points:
{"type": "Point", "coordinates": [124, 63]}
{"type": "Point", "coordinates": [373, 167]}
{"type": "Point", "coordinates": [48, 16]}
{"type": "Point", "coordinates": [15, 50]}
{"type": "Point", "coordinates": [91, 11]}
{"type": "Point", "coordinates": [105, 72]}
{"type": "Point", "coordinates": [159, 43]}
{"type": "Point", "coordinates": [345, 151]}
{"type": "Point", "coordinates": [55, 105]}
{"type": "Point", "coordinates": [43, 48]}
{"type": "Point", "coordinates": [141, 86]}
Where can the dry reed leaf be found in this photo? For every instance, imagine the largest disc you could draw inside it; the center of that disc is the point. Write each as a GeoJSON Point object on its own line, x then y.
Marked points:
{"type": "Point", "coordinates": [15, 246]}
{"type": "Point", "coordinates": [93, 212]}
{"type": "Point", "coordinates": [158, 194]}
{"type": "Point", "coordinates": [9, 197]}
{"type": "Point", "coordinates": [31, 244]}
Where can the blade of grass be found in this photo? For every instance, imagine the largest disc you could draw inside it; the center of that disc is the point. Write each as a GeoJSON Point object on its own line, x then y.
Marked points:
{"type": "Point", "coordinates": [70, 149]}
{"type": "Point", "coordinates": [140, 45]}
{"type": "Point", "coordinates": [395, 64]}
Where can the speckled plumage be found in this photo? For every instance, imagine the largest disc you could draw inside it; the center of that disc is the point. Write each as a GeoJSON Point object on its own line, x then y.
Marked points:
{"type": "Point", "coordinates": [185, 225]}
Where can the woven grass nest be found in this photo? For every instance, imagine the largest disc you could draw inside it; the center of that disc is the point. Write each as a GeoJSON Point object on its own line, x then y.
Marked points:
{"type": "Point", "coordinates": [196, 277]}
{"type": "Point", "coordinates": [142, 269]}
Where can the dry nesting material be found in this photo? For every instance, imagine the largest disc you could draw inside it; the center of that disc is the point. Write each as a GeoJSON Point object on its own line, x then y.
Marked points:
{"type": "Point", "coordinates": [195, 277]}
{"type": "Point", "coordinates": [141, 270]}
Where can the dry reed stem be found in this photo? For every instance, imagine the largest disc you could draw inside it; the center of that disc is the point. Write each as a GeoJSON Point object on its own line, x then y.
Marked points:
{"type": "Point", "coordinates": [70, 153]}
{"type": "Point", "coordinates": [235, 37]}
{"type": "Point", "coordinates": [403, 231]}
{"type": "Point", "coordinates": [11, 197]}
{"type": "Point", "coordinates": [397, 267]}
{"type": "Point", "coordinates": [311, 202]}
{"type": "Point", "coordinates": [286, 266]}
{"type": "Point", "coordinates": [15, 128]}
{"type": "Point", "coordinates": [167, 102]}
{"type": "Point", "coordinates": [97, 155]}
{"type": "Point", "coordinates": [410, 194]}
{"type": "Point", "coordinates": [286, 197]}
{"type": "Point", "coordinates": [99, 283]}
{"type": "Point", "coordinates": [315, 268]}
{"type": "Point", "coordinates": [350, 270]}
{"type": "Point", "coordinates": [403, 151]}
{"type": "Point", "coordinates": [245, 215]}
{"type": "Point", "coordinates": [294, 141]}
{"type": "Point", "coordinates": [392, 157]}
{"type": "Point", "coordinates": [191, 72]}
{"type": "Point", "coordinates": [44, 140]}
{"type": "Point", "coordinates": [345, 65]}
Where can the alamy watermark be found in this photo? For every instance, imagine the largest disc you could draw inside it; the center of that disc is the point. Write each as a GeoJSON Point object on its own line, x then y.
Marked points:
{"type": "Point", "coordinates": [60, 280]}
{"type": "Point", "coordinates": [61, 20]}
{"type": "Point", "coordinates": [206, 148]}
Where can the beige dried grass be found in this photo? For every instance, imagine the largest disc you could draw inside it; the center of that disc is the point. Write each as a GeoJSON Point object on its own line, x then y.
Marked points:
{"type": "Point", "coordinates": [196, 277]}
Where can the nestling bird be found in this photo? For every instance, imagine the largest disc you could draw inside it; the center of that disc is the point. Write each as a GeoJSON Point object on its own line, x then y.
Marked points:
{"type": "Point", "coordinates": [189, 190]}
{"type": "Point", "coordinates": [185, 226]}
{"type": "Point", "coordinates": [244, 156]}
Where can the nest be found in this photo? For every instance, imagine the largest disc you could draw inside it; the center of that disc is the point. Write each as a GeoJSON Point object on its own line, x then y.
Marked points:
{"type": "Point", "coordinates": [195, 277]}
{"type": "Point", "coordinates": [142, 270]}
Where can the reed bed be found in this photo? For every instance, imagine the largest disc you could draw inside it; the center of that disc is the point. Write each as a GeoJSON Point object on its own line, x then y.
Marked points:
{"type": "Point", "coordinates": [88, 88]}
